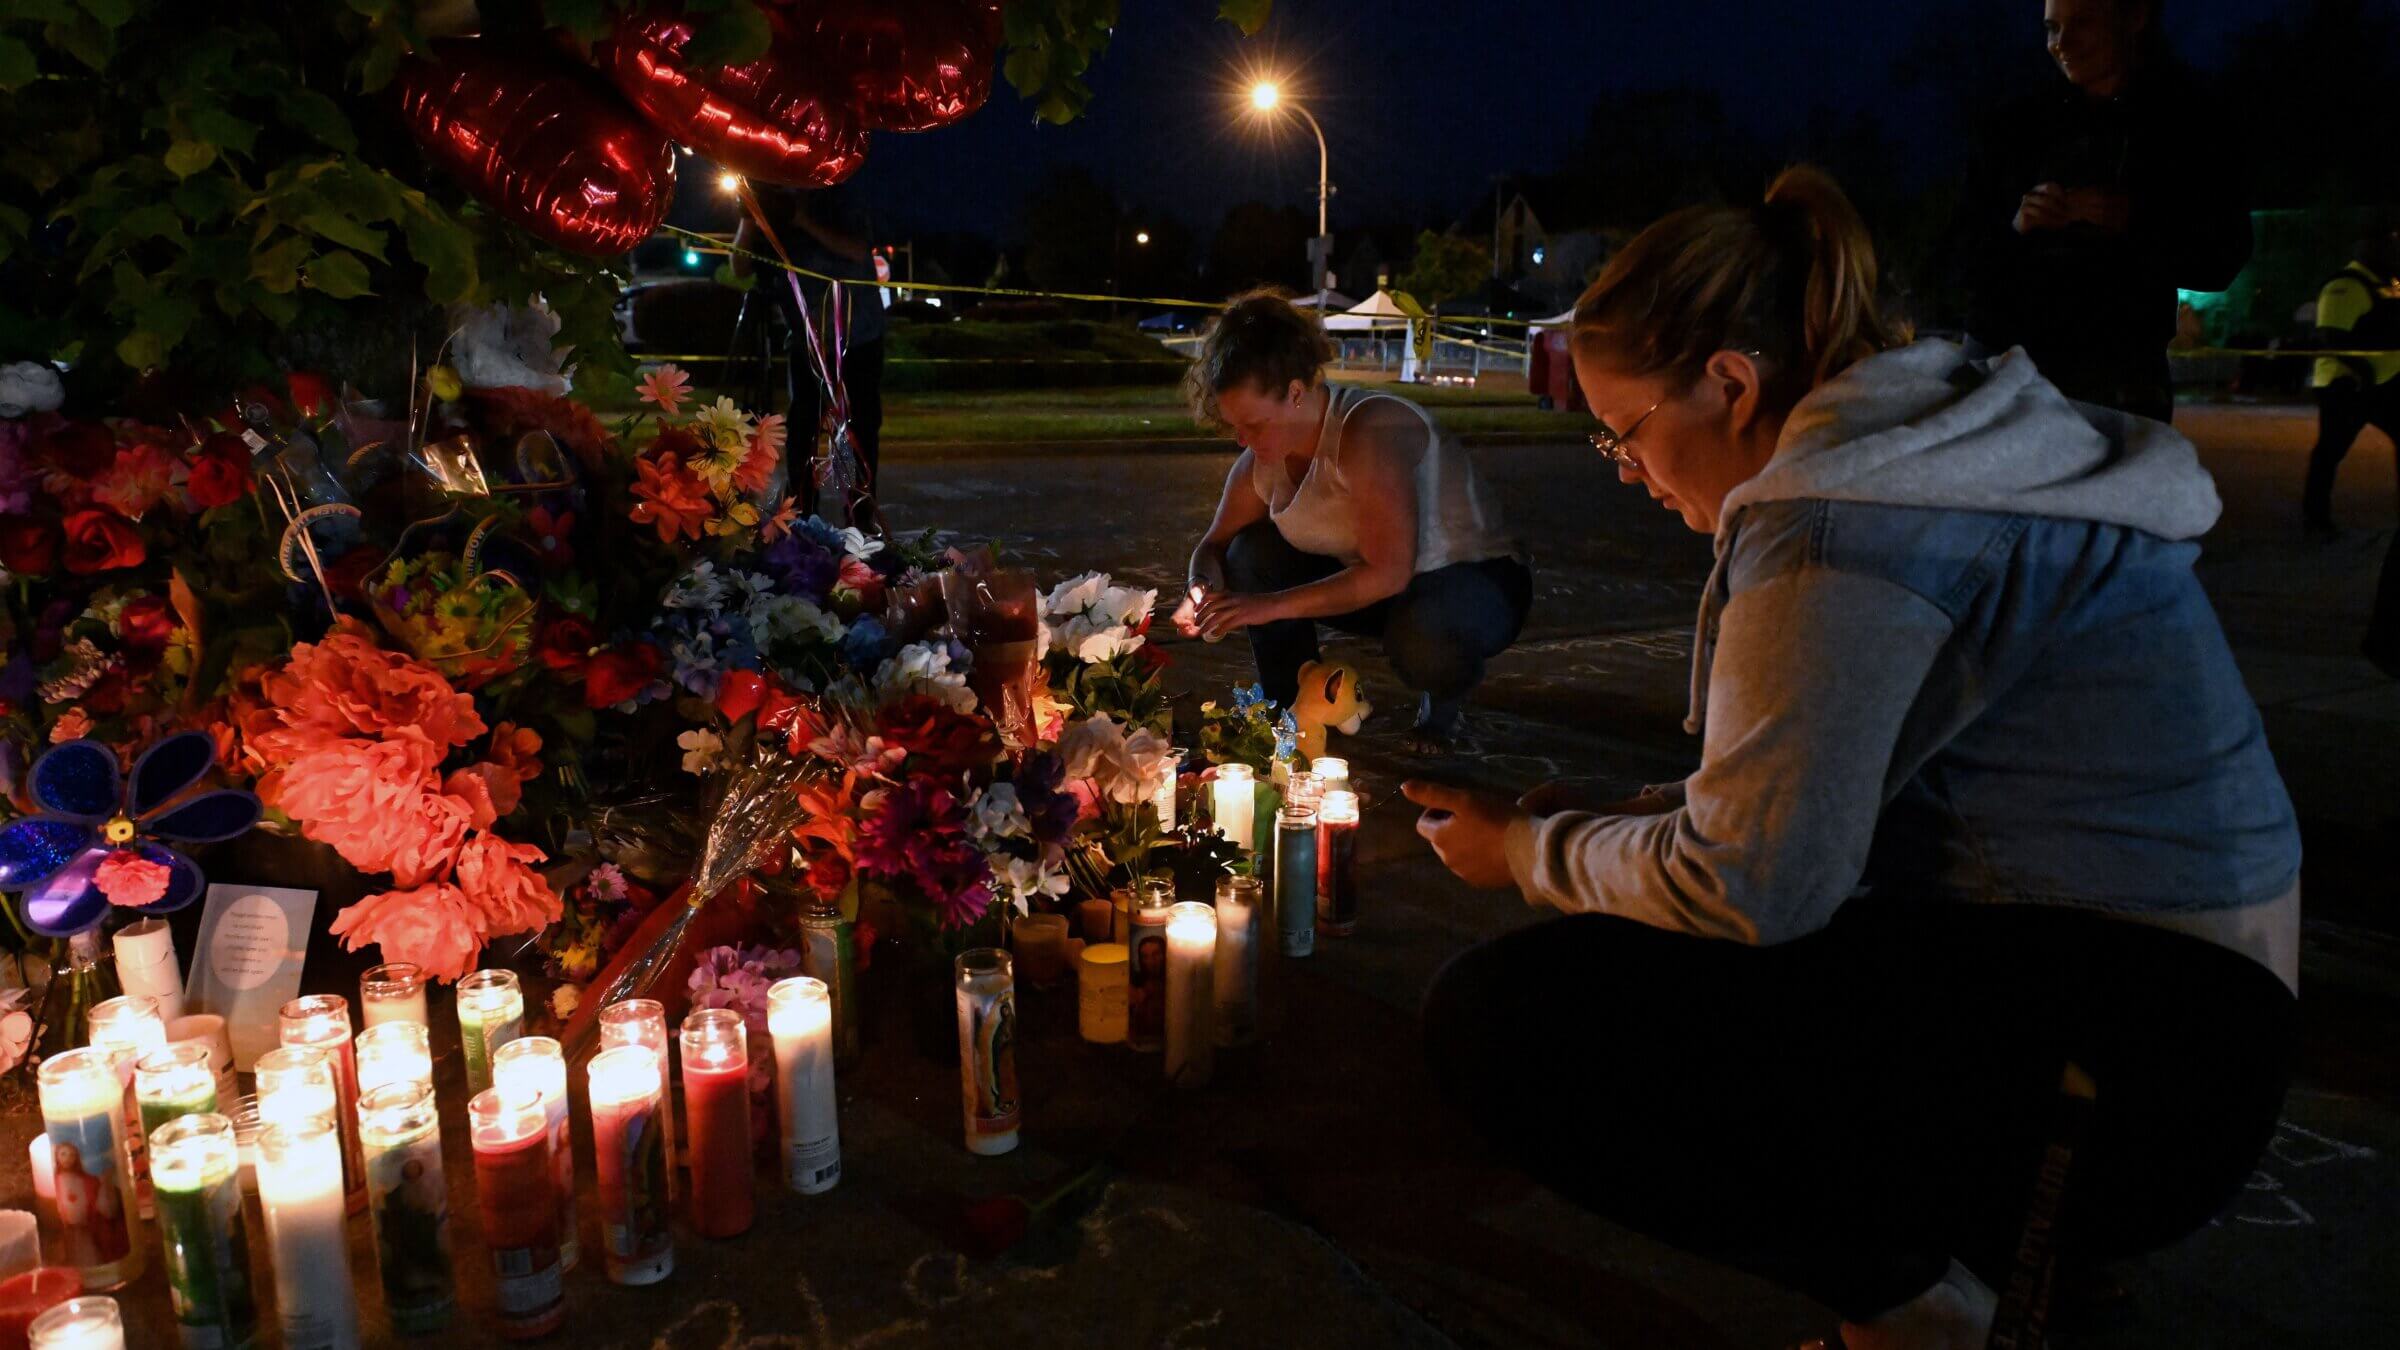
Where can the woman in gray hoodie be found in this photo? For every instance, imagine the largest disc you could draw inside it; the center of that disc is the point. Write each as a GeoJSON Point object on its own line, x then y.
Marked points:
{"type": "Point", "coordinates": [1981, 796]}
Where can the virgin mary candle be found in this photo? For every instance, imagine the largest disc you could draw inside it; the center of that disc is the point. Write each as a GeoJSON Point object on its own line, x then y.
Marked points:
{"type": "Point", "coordinates": [1191, 952]}
{"type": "Point", "coordinates": [800, 1017]}
{"type": "Point", "coordinates": [538, 1065]}
{"type": "Point", "coordinates": [394, 1052]}
{"type": "Point", "coordinates": [491, 1011]}
{"type": "Point", "coordinates": [78, 1324]}
{"type": "Point", "coordinates": [323, 1020]}
{"type": "Point", "coordinates": [1146, 966]}
{"type": "Point", "coordinates": [91, 1185]}
{"type": "Point", "coordinates": [308, 1241]}
{"type": "Point", "coordinates": [1234, 979]}
{"type": "Point", "coordinates": [629, 1111]}
{"type": "Point", "coordinates": [987, 1048]}
{"type": "Point", "coordinates": [196, 1168]}
{"type": "Point", "coordinates": [129, 1027]}
{"type": "Point", "coordinates": [409, 1200]}
{"type": "Point", "coordinates": [643, 1022]}
{"type": "Point", "coordinates": [716, 1106]}
{"type": "Point", "coordinates": [517, 1192]}
{"type": "Point", "coordinates": [1234, 799]}
{"type": "Point", "coordinates": [1337, 864]}
{"type": "Point", "coordinates": [392, 992]}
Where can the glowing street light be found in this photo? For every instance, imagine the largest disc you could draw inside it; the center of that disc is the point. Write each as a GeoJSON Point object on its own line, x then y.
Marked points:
{"type": "Point", "coordinates": [1266, 97]}
{"type": "Point", "coordinates": [729, 182]}
{"type": "Point", "coordinates": [1141, 236]}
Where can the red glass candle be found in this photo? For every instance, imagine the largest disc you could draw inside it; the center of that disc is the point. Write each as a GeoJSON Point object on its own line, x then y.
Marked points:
{"type": "Point", "coordinates": [518, 1193]}
{"type": "Point", "coordinates": [716, 1110]}
{"type": "Point", "coordinates": [1337, 863]}
{"type": "Point", "coordinates": [323, 1020]}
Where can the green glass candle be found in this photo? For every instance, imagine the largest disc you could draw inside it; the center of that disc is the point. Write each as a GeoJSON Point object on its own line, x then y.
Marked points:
{"type": "Point", "coordinates": [196, 1167]}
{"type": "Point", "coordinates": [491, 1011]}
{"type": "Point", "coordinates": [174, 1081]}
{"type": "Point", "coordinates": [410, 1202]}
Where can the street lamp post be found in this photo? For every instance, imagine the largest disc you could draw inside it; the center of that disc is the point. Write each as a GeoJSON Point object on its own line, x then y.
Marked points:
{"type": "Point", "coordinates": [1266, 97]}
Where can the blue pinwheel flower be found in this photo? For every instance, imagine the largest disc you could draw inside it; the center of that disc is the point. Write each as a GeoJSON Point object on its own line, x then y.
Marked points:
{"type": "Point", "coordinates": [88, 813]}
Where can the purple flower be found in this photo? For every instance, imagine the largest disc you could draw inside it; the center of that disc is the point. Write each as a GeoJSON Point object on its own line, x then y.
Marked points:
{"type": "Point", "coordinates": [802, 567]}
{"type": "Point", "coordinates": [918, 833]}
{"type": "Point", "coordinates": [1041, 790]}
{"type": "Point", "coordinates": [737, 978]}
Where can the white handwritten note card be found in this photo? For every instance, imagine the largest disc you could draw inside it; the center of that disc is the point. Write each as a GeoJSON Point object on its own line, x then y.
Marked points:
{"type": "Point", "coordinates": [246, 965]}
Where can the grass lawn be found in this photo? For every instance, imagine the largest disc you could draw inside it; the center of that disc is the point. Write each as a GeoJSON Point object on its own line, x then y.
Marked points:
{"type": "Point", "coordinates": [1499, 405]}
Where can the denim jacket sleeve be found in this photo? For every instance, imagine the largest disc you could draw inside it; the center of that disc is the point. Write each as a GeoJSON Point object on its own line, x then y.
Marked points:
{"type": "Point", "coordinates": [1815, 670]}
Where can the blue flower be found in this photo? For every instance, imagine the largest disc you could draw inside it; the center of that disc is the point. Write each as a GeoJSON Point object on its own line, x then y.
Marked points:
{"type": "Point", "coordinates": [89, 812]}
{"type": "Point", "coordinates": [866, 644]}
{"type": "Point", "coordinates": [1246, 697]}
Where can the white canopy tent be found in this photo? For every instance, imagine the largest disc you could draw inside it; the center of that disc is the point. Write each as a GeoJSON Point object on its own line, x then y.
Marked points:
{"type": "Point", "coordinates": [1333, 300]}
{"type": "Point", "coordinates": [1385, 309]}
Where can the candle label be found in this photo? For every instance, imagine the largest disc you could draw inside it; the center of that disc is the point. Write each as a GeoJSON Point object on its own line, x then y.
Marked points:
{"type": "Point", "coordinates": [1146, 980]}
{"type": "Point", "coordinates": [208, 1264]}
{"type": "Point", "coordinates": [991, 1065]}
{"type": "Point", "coordinates": [813, 1165]}
{"type": "Point", "coordinates": [410, 1202]}
{"type": "Point", "coordinates": [562, 1171]}
{"type": "Point", "coordinates": [479, 1039]}
{"type": "Point", "coordinates": [95, 1228]}
{"type": "Point", "coordinates": [633, 1192]}
{"type": "Point", "coordinates": [1296, 889]}
{"type": "Point", "coordinates": [520, 1221]}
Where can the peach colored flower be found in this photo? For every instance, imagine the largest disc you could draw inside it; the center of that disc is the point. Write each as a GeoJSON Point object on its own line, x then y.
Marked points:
{"type": "Point", "coordinates": [500, 882]}
{"type": "Point", "coordinates": [490, 788]}
{"type": "Point", "coordinates": [346, 685]}
{"type": "Point", "coordinates": [365, 798]}
{"type": "Point", "coordinates": [766, 451]}
{"type": "Point", "coordinates": [516, 749]}
{"type": "Point", "coordinates": [673, 499]}
{"type": "Point", "coordinates": [665, 389]}
{"type": "Point", "coordinates": [127, 878]}
{"type": "Point", "coordinates": [424, 841]}
{"type": "Point", "coordinates": [141, 475]}
{"type": "Point", "coordinates": [73, 724]}
{"type": "Point", "coordinates": [433, 926]}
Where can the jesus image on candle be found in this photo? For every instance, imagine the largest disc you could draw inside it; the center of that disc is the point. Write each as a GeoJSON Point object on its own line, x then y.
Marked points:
{"type": "Point", "coordinates": [90, 1210]}
{"type": "Point", "coordinates": [414, 1237]}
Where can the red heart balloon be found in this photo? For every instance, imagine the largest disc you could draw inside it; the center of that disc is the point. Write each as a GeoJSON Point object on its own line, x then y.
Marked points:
{"type": "Point", "coordinates": [769, 119]}
{"type": "Point", "coordinates": [911, 65]}
{"type": "Point", "coordinates": [548, 145]}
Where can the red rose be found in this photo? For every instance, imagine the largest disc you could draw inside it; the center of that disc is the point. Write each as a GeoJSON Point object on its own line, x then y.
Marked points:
{"type": "Point", "coordinates": [620, 673]}
{"type": "Point", "coordinates": [221, 475]}
{"type": "Point", "coordinates": [101, 541]}
{"type": "Point", "coordinates": [310, 392]}
{"type": "Point", "coordinates": [564, 644]}
{"type": "Point", "coordinates": [28, 548]}
{"type": "Point", "coordinates": [740, 693]}
{"type": "Point", "coordinates": [949, 741]}
{"type": "Point", "coordinates": [145, 624]}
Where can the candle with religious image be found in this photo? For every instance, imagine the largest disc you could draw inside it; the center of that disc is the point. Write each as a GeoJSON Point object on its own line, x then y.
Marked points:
{"type": "Point", "coordinates": [1233, 803]}
{"type": "Point", "coordinates": [1337, 864]}
{"type": "Point", "coordinates": [987, 1048]}
{"type": "Point", "coordinates": [91, 1184]}
{"type": "Point", "coordinates": [800, 1017]}
{"type": "Point", "coordinates": [1146, 972]}
{"type": "Point", "coordinates": [173, 1080]}
{"type": "Point", "coordinates": [409, 1202]}
{"type": "Point", "coordinates": [196, 1167]}
{"type": "Point", "coordinates": [516, 1189]}
{"type": "Point", "coordinates": [643, 1022]}
{"type": "Point", "coordinates": [537, 1064]}
{"type": "Point", "coordinates": [392, 992]}
{"type": "Point", "coordinates": [308, 1240]}
{"type": "Point", "coordinates": [78, 1324]}
{"type": "Point", "coordinates": [1241, 911]}
{"type": "Point", "coordinates": [323, 1021]}
{"type": "Point", "coordinates": [716, 1107]}
{"type": "Point", "coordinates": [129, 1027]}
{"type": "Point", "coordinates": [1296, 881]}
{"type": "Point", "coordinates": [1191, 998]}
{"type": "Point", "coordinates": [491, 1012]}
{"type": "Point", "coordinates": [628, 1091]}
{"type": "Point", "coordinates": [394, 1052]}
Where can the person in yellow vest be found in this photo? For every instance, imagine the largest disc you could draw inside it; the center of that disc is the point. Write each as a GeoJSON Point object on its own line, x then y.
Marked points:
{"type": "Point", "coordinates": [2358, 310]}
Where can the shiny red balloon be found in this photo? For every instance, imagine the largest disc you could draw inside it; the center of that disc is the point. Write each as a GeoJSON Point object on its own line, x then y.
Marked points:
{"type": "Point", "coordinates": [771, 119]}
{"type": "Point", "coordinates": [909, 65]}
{"type": "Point", "coordinates": [546, 144]}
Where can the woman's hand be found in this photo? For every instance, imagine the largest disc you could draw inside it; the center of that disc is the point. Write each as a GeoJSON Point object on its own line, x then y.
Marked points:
{"type": "Point", "coordinates": [1468, 830]}
{"type": "Point", "coordinates": [1186, 617]}
{"type": "Point", "coordinates": [1223, 612]}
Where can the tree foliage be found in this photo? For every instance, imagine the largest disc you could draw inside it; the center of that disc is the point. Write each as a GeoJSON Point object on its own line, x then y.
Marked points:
{"type": "Point", "coordinates": [197, 194]}
{"type": "Point", "coordinates": [1444, 268]}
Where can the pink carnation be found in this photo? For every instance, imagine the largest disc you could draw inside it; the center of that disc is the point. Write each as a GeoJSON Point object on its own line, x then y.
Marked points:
{"type": "Point", "coordinates": [371, 801]}
{"type": "Point", "coordinates": [127, 878]}
{"type": "Point", "coordinates": [492, 788]}
{"type": "Point", "coordinates": [500, 882]}
{"type": "Point", "coordinates": [346, 685]}
{"type": "Point", "coordinates": [433, 926]}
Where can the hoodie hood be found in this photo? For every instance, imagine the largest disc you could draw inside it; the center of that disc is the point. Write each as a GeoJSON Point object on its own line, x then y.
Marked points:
{"type": "Point", "coordinates": [1925, 426]}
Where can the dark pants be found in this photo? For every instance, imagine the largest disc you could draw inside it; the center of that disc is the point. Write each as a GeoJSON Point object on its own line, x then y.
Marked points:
{"type": "Point", "coordinates": [1847, 1112]}
{"type": "Point", "coordinates": [1437, 633]}
{"type": "Point", "coordinates": [2343, 411]}
{"type": "Point", "coordinates": [862, 377]}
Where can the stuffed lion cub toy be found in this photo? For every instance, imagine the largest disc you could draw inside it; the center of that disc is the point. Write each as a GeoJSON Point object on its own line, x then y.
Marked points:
{"type": "Point", "coordinates": [1329, 697]}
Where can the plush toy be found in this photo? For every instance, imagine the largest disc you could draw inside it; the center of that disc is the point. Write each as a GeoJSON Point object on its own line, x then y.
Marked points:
{"type": "Point", "coordinates": [1329, 697]}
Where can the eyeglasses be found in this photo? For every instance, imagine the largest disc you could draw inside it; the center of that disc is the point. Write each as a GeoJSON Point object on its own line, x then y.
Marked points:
{"type": "Point", "coordinates": [1612, 443]}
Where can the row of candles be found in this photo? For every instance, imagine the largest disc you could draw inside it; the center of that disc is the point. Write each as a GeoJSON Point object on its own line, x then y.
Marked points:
{"type": "Point", "coordinates": [345, 1121]}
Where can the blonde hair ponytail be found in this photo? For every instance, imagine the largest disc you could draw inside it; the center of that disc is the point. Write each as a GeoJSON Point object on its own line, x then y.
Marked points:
{"type": "Point", "coordinates": [1792, 279]}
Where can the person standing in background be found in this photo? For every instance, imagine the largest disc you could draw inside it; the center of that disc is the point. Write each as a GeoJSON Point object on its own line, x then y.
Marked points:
{"type": "Point", "coordinates": [2088, 206]}
{"type": "Point", "coordinates": [828, 231]}
{"type": "Point", "coordinates": [2359, 310]}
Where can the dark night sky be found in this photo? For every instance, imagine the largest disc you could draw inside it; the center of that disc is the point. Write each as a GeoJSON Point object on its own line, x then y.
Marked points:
{"type": "Point", "coordinates": [1422, 102]}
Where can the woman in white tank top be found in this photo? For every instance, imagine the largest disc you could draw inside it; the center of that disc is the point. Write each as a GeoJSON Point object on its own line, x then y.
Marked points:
{"type": "Point", "coordinates": [1346, 507]}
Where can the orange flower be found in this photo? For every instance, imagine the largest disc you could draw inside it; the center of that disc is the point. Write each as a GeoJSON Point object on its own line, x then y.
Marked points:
{"type": "Point", "coordinates": [433, 926]}
{"type": "Point", "coordinates": [665, 388]}
{"type": "Point", "coordinates": [499, 881]}
{"type": "Point", "coordinates": [516, 749]}
{"type": "Point", "coordinates": [365, 798]}
{"type": "Point", "coordinates": [766, 451]}
{"type": "Point", "coordinates": [346, 685]}
{"type": "Point", "coordinates": [672, 498]}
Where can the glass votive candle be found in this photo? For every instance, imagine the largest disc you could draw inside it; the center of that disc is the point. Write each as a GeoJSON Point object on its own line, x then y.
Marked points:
{"type": "Point", "coordinates": [800, 1019]}
{"type": "Point", "coordinates": [83, 1116]}
{"type": "Point", "coordinates": [538, 1065]}
{"type": "Point", "coordinates": [716, 1109]}
{"type": "Point", "coordinates": [394, 1052]}
{"type": "Point", "coordinates": [1304, 789]}
{"type": "Point", "coordinates": [643, 1022]}
{"type": "Point", "coordinates": [308, 1242]}
{"type": "Point", "coordinates": [491, 1011]}
{"type": "Point", "coordinates": [1337, 864]}
{"type": "Point", "coordinates": [1334, 769]}
{"type": "Point", "coordinates": [1233, 801]}
{"type": "Point", "coordinates": [1040, 941]}
{"type": "Point", "coordinates": [1190, 996]}
{"type": "Point", "coordinates": [323, 1021]}
{"type": "Point", "coordinates": [79, 1324]}
{"type": "Point", "coordinates": [987, 1048]}
{"type": "Point", "coordinates": [408, 1194]}
{"type": "Point", "coordinates": [295, 1083]}
{"type": "Point", "coordinates": [516, 1188]}
{"type": "Point", "coordinates": [627, 1090]}
{"type": "Point", "coordinates": [174, 1080]}
{"type": "Point", "coordinates": [196, 1167]}
{"type": "Point", "coordinates": [128, 1027]}
{"type": "Point", "coordinates": [392, 992]}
